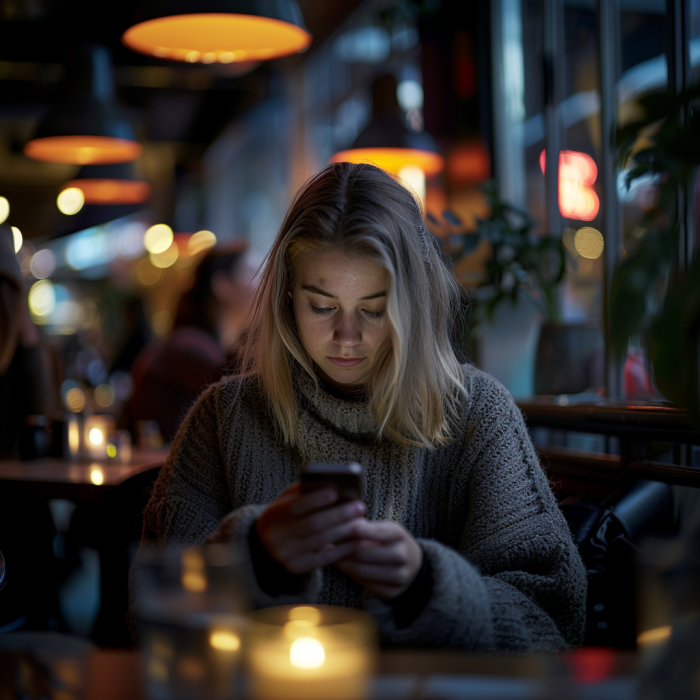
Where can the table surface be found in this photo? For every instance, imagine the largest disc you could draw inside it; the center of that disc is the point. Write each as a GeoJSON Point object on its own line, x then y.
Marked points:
{"type": "Point", "coordinates": [60, 478]}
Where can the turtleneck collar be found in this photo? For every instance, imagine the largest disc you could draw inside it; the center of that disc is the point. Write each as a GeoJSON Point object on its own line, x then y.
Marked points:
{"type": "Point", "coordinates": [346, 414]}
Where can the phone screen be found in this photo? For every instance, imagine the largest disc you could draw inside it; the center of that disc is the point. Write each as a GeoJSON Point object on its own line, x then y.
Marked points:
{"type": "Point", "coordinates": [345, 478]}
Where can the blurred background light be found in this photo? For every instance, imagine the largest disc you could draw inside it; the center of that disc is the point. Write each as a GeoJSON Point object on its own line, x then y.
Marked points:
{"type": "Point", "coordinates": [16, 238]}
{"type": "Point", "coordinates": [104, 395]}
{"type": "Point", "coordinates": [75, 399]}
{"type": "Point", "coordinates": [4, 210]}
{"type": "Point", "coordinates": [166, 258]}
{"type": "Point", "coordinates": [70, 201]}
{"type": "Point", "coordinates": [200, 31]}
{"type": "Point", "coordinates": [158, 238]}
{"type": "Point", "coordinates": [146, 274]}
{"type": "Point", "coordinates": [42, 301]}
{"type": "Point", "coordinates": [200, 241]}
{"type": "Point", "coordinates": [577, 175]}
{"type": "Point", "coordinates": [116, 183]}
{"type": "Point", "coordinates": [43, 263]}
{"type": "Point", "coordinates": [589, 242]}
{"type": "Point", "coordinates": [414, 177]}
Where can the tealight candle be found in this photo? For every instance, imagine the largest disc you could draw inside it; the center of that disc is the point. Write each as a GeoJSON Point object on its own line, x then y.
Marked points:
{"type": "Point", "coordinates": [310, 653]}
{"type": "Point", "coordinates": [96, 432]}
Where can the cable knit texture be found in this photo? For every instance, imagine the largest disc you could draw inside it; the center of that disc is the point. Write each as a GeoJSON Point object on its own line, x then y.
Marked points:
{"type": "Point", "coordinates": [505, 572]}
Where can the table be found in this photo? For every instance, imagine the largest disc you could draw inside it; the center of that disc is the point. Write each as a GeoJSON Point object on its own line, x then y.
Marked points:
{"type": "Point", "coordinates": [73, 480]}
{"type": "Point", "coordinates": [598, 674]}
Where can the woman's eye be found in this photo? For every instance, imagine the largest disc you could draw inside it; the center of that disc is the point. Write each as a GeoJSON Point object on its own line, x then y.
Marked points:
{"type": "Point", "coordinates": [374, 314]}
{"type": "Point", "coordinates": [321, 309]}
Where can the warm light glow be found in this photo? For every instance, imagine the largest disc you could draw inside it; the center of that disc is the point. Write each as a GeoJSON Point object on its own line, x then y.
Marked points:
{"type": "Point", "coordinates": [193, 576]}
{"type": "Point", "coordinates": [305, 613]}
{"type": "Point", "coordinates": [307, 653]}
{"type": "Point", "coordinates": [97, 476]}
{"type": "Point", "coordinates": [42, 301]}
{"type": "Point", "coordinates": [577, 174]}
{"type": "Point", "coordinates": [109, 191]}
{"type": "Point", "coordinates": [202, 240]}
{"type": "Point", "coordinates": [70, 201]}
{"type": "Point", "coordinates": [225, 641]}
{"type": "Point", "coordinates": [111, 450]}
{"type": "Point", "coordinates": [75, 400]}
{"type": "Point", "coordinates": [414, 177]}
{"type": "Point", "coordinates": [146, 274]}
{"type": "Point", "coordinates": [42, 264]}
{"type": "Point", "coordinates": [393, 159]}
{"type": "Point", "coordinates": [96, 437]}
{"type": "Point", "coordinates": [16, 238]}
{"type": "Point", "coordinates": [158, 238]}
{"type": "Point", "coordinates": [220, 37]}
{"type": "Point", "coordinates": [73, 436]}
{"type": "Point", "coordinates": [104, 395]}
{"type": "Point", "coordinates": [83, 150]}
{"type": "Point", "coordinates": [4, 210]}
{"type": "Point", "coordinates": [659, 634]}
{"type": "Point", "coordinates": [589, 242]}
{"type": "Point", "coordinates": [166, 258]}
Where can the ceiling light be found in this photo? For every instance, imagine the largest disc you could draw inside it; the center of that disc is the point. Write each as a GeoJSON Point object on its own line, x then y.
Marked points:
{"type": "Point", "coordinates": [87, 125]}
{"type": "Point", "coordinates": [110, 184]}
{"type": "Point", "coordinates": [387, 142]}
{"type": "Point", "coordinates": [223, 31]}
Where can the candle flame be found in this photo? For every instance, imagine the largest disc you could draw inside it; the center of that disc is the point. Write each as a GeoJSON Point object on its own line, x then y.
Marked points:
{"type": "Point", "coordinates": [307, 653]}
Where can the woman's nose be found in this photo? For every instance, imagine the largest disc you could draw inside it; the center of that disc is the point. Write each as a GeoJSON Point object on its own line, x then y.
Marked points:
{"type": "Point", "coordinates": [347, 330]}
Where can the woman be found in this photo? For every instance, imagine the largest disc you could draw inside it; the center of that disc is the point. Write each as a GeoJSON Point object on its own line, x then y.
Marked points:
{"type": "Point", "coordinates": [459, 541]}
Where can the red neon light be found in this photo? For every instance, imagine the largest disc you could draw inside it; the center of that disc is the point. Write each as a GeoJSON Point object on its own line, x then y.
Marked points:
{"type": "Point", "coordinates": [577, 174]}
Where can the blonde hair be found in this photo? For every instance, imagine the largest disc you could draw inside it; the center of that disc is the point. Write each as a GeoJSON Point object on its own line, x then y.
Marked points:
{"type": "Point", "coordinates": [416, 381]}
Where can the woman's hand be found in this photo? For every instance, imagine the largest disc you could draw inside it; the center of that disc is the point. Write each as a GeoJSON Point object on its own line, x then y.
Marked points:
{"type": "Point", "coordinates": [304, 531]}
{"type": "Point", "coordinates": [387, 561]}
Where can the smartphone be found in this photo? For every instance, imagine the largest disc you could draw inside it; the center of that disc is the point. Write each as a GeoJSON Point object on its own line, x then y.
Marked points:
{"type": "Point", "coordinates": [346, 478]}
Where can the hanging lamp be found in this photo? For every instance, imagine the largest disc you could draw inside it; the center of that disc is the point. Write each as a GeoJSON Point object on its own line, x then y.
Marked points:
{"type": "Point", "coordinates": [87, 125]}
{"type": "Point", "coordinates": [218, 31]}
{"type": "Point", "coordinates": [387, 141]}
{"type": "Point", "coordinates": [110, 184]}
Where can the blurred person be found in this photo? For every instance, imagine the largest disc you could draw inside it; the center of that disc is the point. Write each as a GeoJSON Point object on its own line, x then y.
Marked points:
{"type": "Point", "coordinates": [210, 319]}
{"type": "Point", "coordinates": [458, 541]}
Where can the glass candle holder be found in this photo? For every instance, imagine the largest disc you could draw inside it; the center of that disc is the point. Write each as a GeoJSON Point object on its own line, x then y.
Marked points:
{"type": "Point", "coordinates": [310, 653]}
{"type": "Point", "coordinates": [97, 430]}
{"type": "Point", "coordinates": [190, 606]}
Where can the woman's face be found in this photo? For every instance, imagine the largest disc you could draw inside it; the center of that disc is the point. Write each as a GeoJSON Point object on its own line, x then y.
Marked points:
{"type": "Point", "coordinates": [339, 302]}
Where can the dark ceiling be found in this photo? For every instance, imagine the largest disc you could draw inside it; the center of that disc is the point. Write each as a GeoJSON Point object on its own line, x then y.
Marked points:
{"type": "Point", "coordinates": [183, 106]}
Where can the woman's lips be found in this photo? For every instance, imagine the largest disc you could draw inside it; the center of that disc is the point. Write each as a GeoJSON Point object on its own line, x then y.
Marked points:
{"type": "Point", "coordinates": [346, 361]}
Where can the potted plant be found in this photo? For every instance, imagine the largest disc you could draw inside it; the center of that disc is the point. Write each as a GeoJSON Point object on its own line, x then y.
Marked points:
{"type": "Point", "coordinates": [653, 296]}
{"type": "Point", "coordinates": [526, 265]}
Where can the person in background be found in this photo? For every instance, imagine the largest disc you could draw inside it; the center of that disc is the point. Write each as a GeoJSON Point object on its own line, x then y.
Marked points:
{"type": "Point", "coordinates": [458, 541]}
{"type": "Point", "coordinates": [210, 319]}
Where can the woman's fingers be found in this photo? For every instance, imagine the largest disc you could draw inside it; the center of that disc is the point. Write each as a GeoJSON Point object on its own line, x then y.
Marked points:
{"type": "Point", "coordinates": [375, 573]}
{"type": "Point", "coordinates": [383, 531]}
{"type": "Point", "coordinates": [309, 502]}
{"type": "Point", "coordinates": [327, 555]}
{"type": "Point", "coordinates": [329, 517]}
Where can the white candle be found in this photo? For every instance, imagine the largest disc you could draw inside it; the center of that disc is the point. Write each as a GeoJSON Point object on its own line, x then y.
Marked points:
{"type": "Point", "coordinates": [310, 653]}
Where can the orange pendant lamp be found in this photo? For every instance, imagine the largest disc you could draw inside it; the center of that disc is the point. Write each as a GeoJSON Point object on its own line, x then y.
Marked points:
{"type": "Point", "coordinates": [218, 31]}
{"type": "Point", "coordinates": [87, 125]}
{"type": "Point", "coordinates": [387, 141]}
{"type": "Point", "coordinates": [110, 184]}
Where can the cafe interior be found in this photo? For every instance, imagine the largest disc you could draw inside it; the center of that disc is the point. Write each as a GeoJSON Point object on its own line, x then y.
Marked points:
{"type": "Point", "coordinates": [149, 151]}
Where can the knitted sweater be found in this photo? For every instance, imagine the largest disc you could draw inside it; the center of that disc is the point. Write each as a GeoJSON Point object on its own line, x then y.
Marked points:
{"type": "Point", "coordinates": [505, 572]}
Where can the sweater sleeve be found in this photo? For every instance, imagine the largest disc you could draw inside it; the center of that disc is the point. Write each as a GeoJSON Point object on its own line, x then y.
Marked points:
{"type": "Point", "coordinates": [190, 504]}
{"type": "Point", "coordinates": [512, 579]}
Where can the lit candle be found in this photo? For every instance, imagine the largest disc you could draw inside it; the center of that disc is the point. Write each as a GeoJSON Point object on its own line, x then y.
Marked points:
{"type": "Point", "coordinates": [96, 432]}
{"type": "Point", "coordinates": [310, 653]}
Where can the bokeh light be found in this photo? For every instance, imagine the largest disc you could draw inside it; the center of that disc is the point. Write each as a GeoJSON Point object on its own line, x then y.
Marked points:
{"type": "Point", "coordinates": [42, 301]}
{"type": "Point", "coordinates": [589, 242]}
{"type": "Point", "coordinates": [147, 274]}
{"type": "Point", "coordinates": [70, 201]}
{"type": "Point", "coordinates": [414, 177]}
{"type": "Point", "coordinates": [96, 436]}
{"type": "Point", "coordinates": [307, 653]}
{"type": "Point", "coordinates": [104, 395]}
{"type": "Point", "coordinates": [225, 641]}
{"type": "Point", "coordinates": [577, 175]}
{"type": "Point", "coordinates": [158, 238]}
{"type": "Point", "coordinates": [200, 241]}
{"type": "Point", "coordinates": [4, 210]}
{"type": "Point", "coordinates": [166, 258]}
{"type": "Point", "coordinates": [43, 264]}
{"type": "Point", "coordinates": [75, 400]}
{"type": "Point", "coordinates": [97, 476]}
{"type": "Point", "coordinates": [16, 238]}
